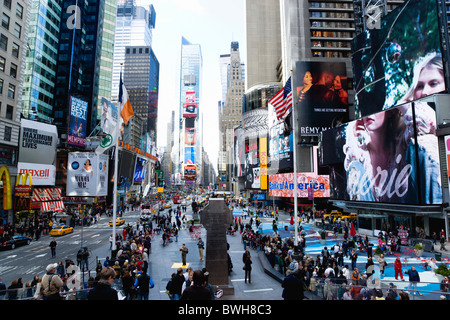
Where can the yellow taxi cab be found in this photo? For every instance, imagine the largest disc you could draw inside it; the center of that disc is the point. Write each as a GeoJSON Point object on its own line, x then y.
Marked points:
{"type": "Point", "coordinates": [119, 222]}
{"type": "Point", "coordinates": [333, 215]}
{"type": "Point", "coordinates": [349, 216]}
{"type": "Point", "coordinates": [167, 206]}
{"type": "Point", "coordinates": [61, 230]}
{"type": "Point", "coordinates": [187, 198]}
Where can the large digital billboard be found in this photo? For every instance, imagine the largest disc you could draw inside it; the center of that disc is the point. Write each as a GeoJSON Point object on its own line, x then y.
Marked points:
{"type": "Point", "coordinates": [391, 156]}
{"type": "Point", "coordinates": [77, 122]}
{"type": "Point", "coordinates": [320, 96]}
{"type": "Point", "coordinates": [282, 185]}
{"type": "Point", "coordinates": [140, 171]}
{"type": "Point", "coordinates": [399, 62]}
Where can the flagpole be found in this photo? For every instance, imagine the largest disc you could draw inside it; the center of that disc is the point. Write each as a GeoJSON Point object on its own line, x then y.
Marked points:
{"type": "Point", "coordinates": [116, 166]}
{"type": "Point", "coordinates": [294, 151]}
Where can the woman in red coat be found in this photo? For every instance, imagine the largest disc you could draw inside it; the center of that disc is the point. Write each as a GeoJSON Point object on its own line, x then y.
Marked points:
{"type": "Point", "coordinates": [398, 268]}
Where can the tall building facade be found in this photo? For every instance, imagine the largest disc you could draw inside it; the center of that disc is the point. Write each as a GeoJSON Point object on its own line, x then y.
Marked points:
{"type": "Point", "coordinates": [263, 34]}
{"type": "Point", "coordinates": [41, 60]}
{"type": "Point", "coordinates": [141, 78]}
{"type": "Point", "coordinates": [13, 48]}
{"type": "Point", "coordinates": [230, 115]}
{"type": "Point", "coordinates": [134, 25]}
{"type": "Point", "coordinates": [188, 138]}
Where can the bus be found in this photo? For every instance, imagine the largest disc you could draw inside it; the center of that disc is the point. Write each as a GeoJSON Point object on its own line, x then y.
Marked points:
{"type": "Point", "coordinates": [176, 200]}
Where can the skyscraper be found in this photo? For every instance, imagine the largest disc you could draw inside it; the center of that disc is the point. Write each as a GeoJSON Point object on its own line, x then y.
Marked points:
{"type": "Point", "coordinates": [188, 142]}
{"type": "Point", "coordinates": [13, 47]}
{"type": "Point", "coordinates": [134, 25]}
{"type": "Point", "coordinates": [231, 110]}
{"type": "Point", "coordinates": [41, 60]}
{"type": "Point", "coordinates": [141, 78]}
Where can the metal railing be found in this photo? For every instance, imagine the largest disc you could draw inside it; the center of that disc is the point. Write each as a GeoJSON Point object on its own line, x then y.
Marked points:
{"type": "Point", "coordinates": [327, 290]}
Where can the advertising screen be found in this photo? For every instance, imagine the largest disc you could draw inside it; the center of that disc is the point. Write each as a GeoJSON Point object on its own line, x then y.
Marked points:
{"type": "Point", "coordinates": [87, 174]}
{"type": "Point", "coordinates": [77, 122]}
{"type": "Point", "coordinates": [382, 161]}
{"type": "Point", "coordinates": [239, 151]}
{"type": "Point", "coordinates": [190, 110]}
{"type": "Point", "coordinates": [394, 64]}
{"type": "Point", "coordinates": [252, 164]}
{"type": "Point", "coordinates": [189, 155]}
{"type": "Point", "coordinates": [141, 170]}
{"type": "Point", "coordinates": [37, 151]}
{"type": "Point", "coordinates": [189, 138]}
{"type": "Point", "coordinates": [320, 96]}
{"type": "Point", "coordinates": [280, 143]}
{"type": "Point", "coordinates": [282, 185]}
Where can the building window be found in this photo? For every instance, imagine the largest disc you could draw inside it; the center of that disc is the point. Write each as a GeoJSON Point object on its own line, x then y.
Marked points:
{"type": "Point", "coordinates": [1, 86]}
{"type": "Point", "coordinates": [13, 70]}
{"type": "Point", "coordinates": [5, 21]}
{"type": "Point", "coordinates": [2, 64]}
{"type": "Point", "coordinates": [11, 91]}
{"type": "Point", "coordinates": [3, 42]}
{"type": "Point", "coordinates": [15, 50]}
{"type": "Point", "coordinates": [17, 30]}
{"type": "Point", "coordinates": [19, 11]}
{"type": "Point", "coordinates": [9, 112]}
{"type": "Point", "coordinates": [7, 136]}
{"type": "Point", "coordinates": [7, 3]}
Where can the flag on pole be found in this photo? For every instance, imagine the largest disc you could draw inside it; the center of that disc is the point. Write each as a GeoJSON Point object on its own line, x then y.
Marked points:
{"type": "Point", "coordinates": [282, 101]}
{"type": "Point", "coordinates": [127, 110]}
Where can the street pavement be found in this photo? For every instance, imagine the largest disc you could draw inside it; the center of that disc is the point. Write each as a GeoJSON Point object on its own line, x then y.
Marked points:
{"type": "Point", "coordinates": [165, 260]}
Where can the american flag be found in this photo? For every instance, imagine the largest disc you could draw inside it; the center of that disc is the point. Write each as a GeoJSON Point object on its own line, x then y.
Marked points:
{"type": "Point", "coordinates": [282, 101]}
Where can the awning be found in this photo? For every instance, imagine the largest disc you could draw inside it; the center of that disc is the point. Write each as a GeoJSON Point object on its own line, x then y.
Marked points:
{"type": "Point", "coordinates": [54, 206]}
{"type": "Point", "coordinates": [47, 199]}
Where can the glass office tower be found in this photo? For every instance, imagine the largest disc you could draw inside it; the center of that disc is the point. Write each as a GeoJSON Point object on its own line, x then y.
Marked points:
{"type": "Point", "coordinates": [41, 60]}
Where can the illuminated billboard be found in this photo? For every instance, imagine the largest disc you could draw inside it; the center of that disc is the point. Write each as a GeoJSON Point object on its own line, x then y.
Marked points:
{"type": "Point", "coordinates": [396, 63]}
{"type": "Point", "coordinates": [282, 185]}
{"type": "Point", "coordinates": [379, 159]}
{"type": "Point", "coordinates": [77, 122]}
{"type": "Point", "coordinates": [141, 170]}
{"type": "Point", "coordinates": [320, 96]}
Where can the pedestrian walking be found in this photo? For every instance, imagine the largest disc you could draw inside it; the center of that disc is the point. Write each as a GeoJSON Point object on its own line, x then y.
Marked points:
{"type": "Point", "coordinates": [184, 252]}
{"type": "Point", "coordinates": [248, 269]}
{"type": "Point", "coordinates": [52, 246]}
{"type": "Point", "coordinates": [398, 268]}
{"type": "Point", "coordinates": [201, 246]}
{"type": "Point", "coordinates": [414, 279]}
{"type": "Point", "coordinates": [442, 241]}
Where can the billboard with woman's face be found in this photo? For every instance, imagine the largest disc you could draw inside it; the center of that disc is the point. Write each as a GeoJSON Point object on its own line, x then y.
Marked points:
{"type": "Point", "coordinates": [399, 62]}
{"type": "Point", "coordinates": [320, 96]}
{"type": "Point", "coordinates": [391, 156]}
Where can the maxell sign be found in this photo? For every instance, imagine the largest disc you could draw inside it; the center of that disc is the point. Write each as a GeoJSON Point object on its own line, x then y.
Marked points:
{"type": "Point", "coordinates": [37, 151]}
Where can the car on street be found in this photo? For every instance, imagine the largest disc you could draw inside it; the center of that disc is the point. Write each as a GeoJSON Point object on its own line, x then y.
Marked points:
{"type": "Point", "coordinates": [60, 230]}
{"type": "Point", "coordinates": [167, 206]}
{"type": "Point", "coordinates": [119, 222]}
{"type": "Point", "coordinates": [14, 242]}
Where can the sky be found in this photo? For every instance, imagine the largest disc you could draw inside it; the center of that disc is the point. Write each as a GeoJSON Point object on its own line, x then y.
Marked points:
{"type": "Point", "coordinates": [213, 24]}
